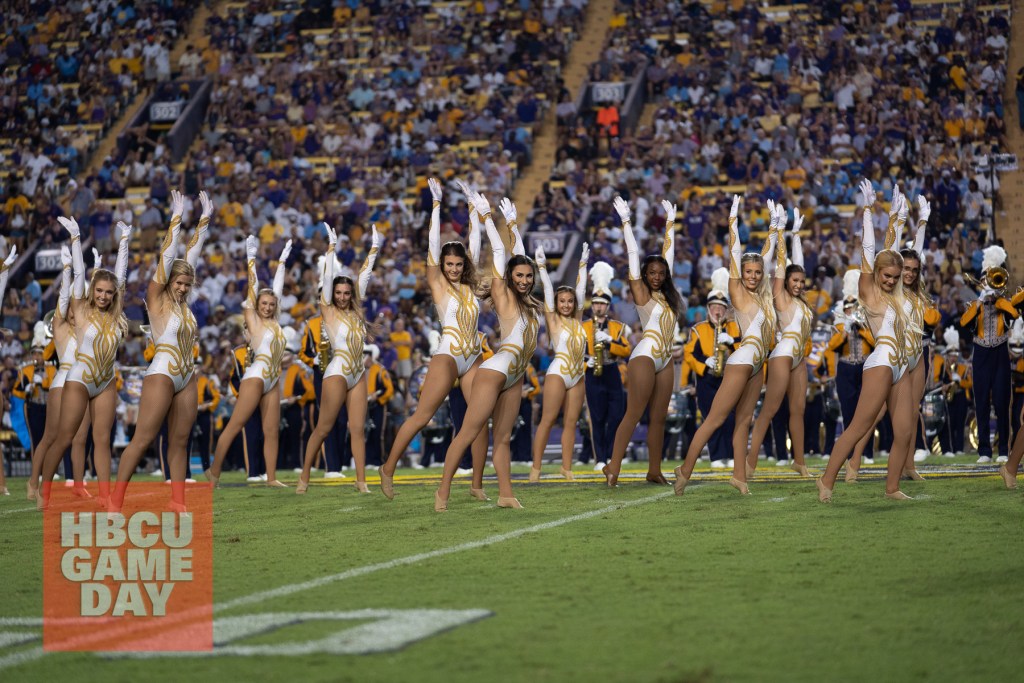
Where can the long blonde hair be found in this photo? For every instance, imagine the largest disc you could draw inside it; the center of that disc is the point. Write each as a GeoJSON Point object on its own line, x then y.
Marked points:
{"type": "Point", "coordinates": [763, 293]}
{"type": "Point", "coordinates": [888, 258]}
{"type": "Point", "coordinates": [116, 309]}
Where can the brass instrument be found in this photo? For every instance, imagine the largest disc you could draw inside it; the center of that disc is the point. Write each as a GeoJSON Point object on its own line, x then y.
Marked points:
{"type": "Point", "coordinates": [995, 278]}
{"type": "Point", "coordinates": [48, 322]}
{"type": "Point", "coordinates": [324, 347]}
{"type": "Point", "coordinates": [599, 351]}
{"type": "Point", "coordinates": [721, 351]}
{"type": "Point", "coordinates": [953, 388]}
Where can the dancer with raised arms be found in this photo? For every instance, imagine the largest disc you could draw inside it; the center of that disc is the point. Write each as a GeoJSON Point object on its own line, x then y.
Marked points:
{"type": "Point", "coordinates": [884, 383]}
{"type": "Point", "coordinates": [751, 298]}
{"type": "Point", "coordinates": [89, 385]}
{"type": "Point", "coordinates": [169, 386]}
{"type": "Point", "coordinates": [259, 388]}
{"type": "Point", "coordinates": [497, 386]}
{"type": "Point", "coordinates": [650, 371]}
{"type": "Point", "coordinates": [563, 382]}
{"type": "Point", "coordinates": [344, 378]}
{"type": "Point", "coordinates": [787, 367]}
{"type": "Point", "coordinates": [452, 278]}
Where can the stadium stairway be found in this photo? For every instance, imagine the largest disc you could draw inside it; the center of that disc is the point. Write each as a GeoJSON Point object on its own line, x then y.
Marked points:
{"type": "Point", "coordinates": [1010, 218]}
{"type": "Point", "coordinates": [585, 51]}
{"type": "Point", "coordinates": [196, 35]}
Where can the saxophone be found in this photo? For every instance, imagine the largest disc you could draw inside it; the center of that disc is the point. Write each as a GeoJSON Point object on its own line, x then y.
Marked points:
{"type": "Point", "coordinates": [721, 351]}
{"type": "Point", "coordinates": [324, 347]}
{"type": "Point", "coordinates": [599, 353]}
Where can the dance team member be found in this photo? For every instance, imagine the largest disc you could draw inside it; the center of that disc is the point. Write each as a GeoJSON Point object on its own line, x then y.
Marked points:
{"type": "Point", "coordinates": [259, 387]}
{"type": "Point", "coordinates": [881, 296]}
{"type": "Point", "coordinates": [451, 276]}
{"type": "Point", "coordinates": [563, 382]}
{"type": "Point", "coordinates": [497, 388]}
{"type": "Point", "coordinates": [787, 366]}
{"type": "Point", "coordinates": [751, 299]}
{"type": "Point", "coordinates": [650, 371]}
{"type": "Point", "coordinates": [100, 326]}
{"type": "Point", "coordinates": [169, 385]}
{"type": "Point", "coordinates": [344, 379]}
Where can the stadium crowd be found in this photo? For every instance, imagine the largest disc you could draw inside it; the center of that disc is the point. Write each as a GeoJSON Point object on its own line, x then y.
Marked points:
{"type": "Point", "coordinates": [338, 115]}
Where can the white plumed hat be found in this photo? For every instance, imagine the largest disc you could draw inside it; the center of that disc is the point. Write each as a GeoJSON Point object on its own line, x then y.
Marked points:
{"type": "Point", "coordinates": [719, 287]}
{"type": "Point", "coordinates": [952, 338]}
{"type": "Point", "coordinates": [992, 256]}
{"type": "Point", "coordinates": [851, 284]}
{"type": "Point", "coordinates": [601, 275]}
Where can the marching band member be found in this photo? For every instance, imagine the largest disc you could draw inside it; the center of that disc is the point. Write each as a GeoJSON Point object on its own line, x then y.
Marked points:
{"type": "Point", "coordinates": [169, 386]}
{"type": "Point", "coordinates": [344, 379]}
{"type": "Point", "coordinates": [705, 353]}
{"type": "Point", "coordinates": [751, 297]}
{"type": "Point", "coordinates": [650, 368]}
{"type": "Point", "coordinates": [497, 388]}
{"type": "Point", "coordinates": [208, 390]}
{"type": "Point", "coordinates": [1008, 470]}
{"type": "Point", "coordinates": [787, 368]}
{"type": "Point", "coordinates": [607, 345]}
{"type": "Point", "coordinates": [89, 385]}
{"type": "Point", "coordinates": [563, 382]}
{"type": "Point", "coordinates": [32, 387]}
{"type": "Point", "coordinates": [259, 387]}
{"type": "Point", "coordinates": [990, 318]}
{"type": "Point", "coordinates": [852, 343]}
{"type": "Point", "coordinates": [451, 276]}
{"type": "Point", "coordinates": [954, 375]}
{"type": "Point", "coordinates": [821, 368]}
{"type": "Point", "coordinates": [379, 390]}
{"type": "Point", "coordinates": [522, 430]}
{"type": "Point", "coordinates": [881, 296]}
{"type": "Point", "coordinates": [251, 443]}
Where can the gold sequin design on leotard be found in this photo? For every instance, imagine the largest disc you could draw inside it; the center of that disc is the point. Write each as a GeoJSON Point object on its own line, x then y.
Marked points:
{"type": "Point", "coordinates": [182, 361]}
{"type": "Point", "coordinates": [352, 356]}
{"type": "Point", "coordinates": [661, 338]}
{"type": "Point", "coordinates": [465, 340]}
{"type": "Point", "coordinates": [99, 367]}
{"type": "Point", "coordinates": [521, 355]}
{"type": "Point", "coordinates": [273, 359]}
{"type": "Point", "coordinates": [573, 363]}
{"type": "Point", "coordinates": [800, 338]}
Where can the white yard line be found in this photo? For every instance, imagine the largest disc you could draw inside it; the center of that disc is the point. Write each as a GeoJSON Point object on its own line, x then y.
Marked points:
{"type": "Point", "coordinates": [33, 654]}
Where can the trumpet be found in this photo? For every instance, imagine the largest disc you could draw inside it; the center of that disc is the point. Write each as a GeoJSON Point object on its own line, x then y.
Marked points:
{"type": "Point", "coordinates": [995, 278]}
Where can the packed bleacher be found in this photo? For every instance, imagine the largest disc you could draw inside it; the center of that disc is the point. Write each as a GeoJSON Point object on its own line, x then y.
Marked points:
{"type": "Point", "coordinates": [339, 114]}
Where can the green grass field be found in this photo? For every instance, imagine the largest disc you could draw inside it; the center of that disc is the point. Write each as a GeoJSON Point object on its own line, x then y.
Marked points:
{"type": "Point", "coordinates": [589, 584]}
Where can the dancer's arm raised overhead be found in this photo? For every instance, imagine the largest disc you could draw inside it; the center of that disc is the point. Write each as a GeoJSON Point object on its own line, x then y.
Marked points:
{"type": "Point", "coordinates": [737, 292]}
{"type": "Point", "coordinates": [508, 211]}
{"type": "Point", "coordinates": [797, 247]}
{"type": "Point", "coordinates": [252, 249]}
{"type": "Point", "coordinates": [327, 291]}
{"type": "Point", "coordinates": [641, 295]}
{"type": "Point", "coordinates": [168, 250]}
{"type": "Point", "coordinates": [550, 310]}
{"type": "Point", "coordinates": [668, 247]}
{"type": "Point", "coordinates": [435, 274]}
{"type": "Point", "coordinates": [867, 246]}
{"type": "Point", "coordinates": [897, 219]}
{"type": "Point", "coordinates": [367, 270]}
{"type": "Point", "coordinates": [64, 294]}
{"type": "Point", "coordinates": [581, 281]}
{"type": "Point", "coordinates": [778, 265]}
{"type": "Point", "coordinates": [499, 292]}
{"type": "Point", "coordinates": [475, 230]}
{"type": "Point", "coordinates": [77, 260]}
{"type": "Point", "coordinates": [195, 245]}
{"type": "Point", "coordinates": [282, 268]}
{"type": "Point", "coordinates": [924, 210]}
{"type": "Point", "coordinates": [121, 265]}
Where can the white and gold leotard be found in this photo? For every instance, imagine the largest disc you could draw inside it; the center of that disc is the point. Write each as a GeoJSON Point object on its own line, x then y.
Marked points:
{"type": "Point", "coordinates": [64, 339]}
{"type": "Point", "coordinates": [347, 347]}
{"type": "Point", "coordinates": [518, 343]}
{"type": "Point", "coordinates": [267, 353]}
{"type": "Point", "coordinates": [758, 328]}
{"type": "Point", "coordinates": [795, 333]}
{"type": "Point", "coordinates": [659, 324]}
{"type": "Point", "coordinates": [568, 362]}
{"type": "Point", "coordinates": [97, 350]}
{"type": "Point", "coordinates": [174, 347]}
{"type": "Point", "coordinates": [459, 312]}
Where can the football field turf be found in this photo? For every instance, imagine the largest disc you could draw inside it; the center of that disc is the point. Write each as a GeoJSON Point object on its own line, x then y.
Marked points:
{"type": "Point", "coordinates": [585, 583]}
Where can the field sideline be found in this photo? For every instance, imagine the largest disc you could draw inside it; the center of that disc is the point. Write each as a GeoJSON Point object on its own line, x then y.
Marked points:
{"type": "Point", "coordinates": [586, 583]}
